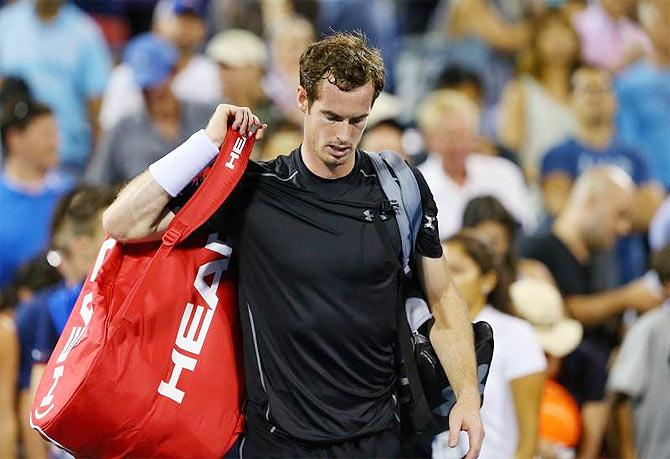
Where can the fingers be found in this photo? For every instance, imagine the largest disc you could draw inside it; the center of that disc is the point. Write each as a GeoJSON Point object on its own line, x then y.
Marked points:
{"type": "Point", "coordinates": [475, 438]}
{"type": "Point", "coordinates": [455, 423]}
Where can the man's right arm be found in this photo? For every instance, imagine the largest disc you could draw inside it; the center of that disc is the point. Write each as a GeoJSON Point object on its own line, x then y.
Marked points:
{"type": "Point", "coordinates": [140, 211]}
{"type": "Point", "coordinates": [594, 309]}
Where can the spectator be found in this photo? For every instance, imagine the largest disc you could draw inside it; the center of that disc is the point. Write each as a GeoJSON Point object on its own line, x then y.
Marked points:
{"type": "Point", "coordinates": [596, 143]}
{"type": "Point", "coordinates": [288, 37]}
{"type": "Point", "coordinates": [595, 215]}
{"type": "Point", "coordinates": [29, 187]}
{"type": "Point", "coordinates": [75, 240]}
{"type": "Point", "coordinates": [535, 114]}
{"type": "Point", "coordinates": [469, 83]}
{"type": "Point", "coordinates": [455, 173]}
{"type": "Point", "coordinates": [140, 139]}
{"type": "Point", "coordinates": [382, 131]}
{"type": "Point", "coordinates": [34, 280]}
{"type": "Point", "coordinates": [541, 305]}
{"type": "Point", "coordinates": [196, 80]}
{"type": "Point", "coordinates": [62, 55]}
{"type": "Point", "coordinates": [517, 373]}
{"type": "Point", "coordinates": [488, 219]}
{"type": "Point", "coordinates": [644, 93]}
{"type": "Point", "coordinates": [610, 40]}
{"type": "Point", "coordinates": [242, 59]}
{"type": "Point", "coordinates": [640, 376]}
{"type": "Point", "coordinates": [659, 229]}
{"type": "Point", "coordinates": [9, 363]}
{"type": "Point", "coordinates": [285, 137]}
{"type": "Point", "coordinates": [479, 37]}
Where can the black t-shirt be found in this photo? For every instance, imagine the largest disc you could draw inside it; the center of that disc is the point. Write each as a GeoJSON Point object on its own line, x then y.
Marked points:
{"type": "Point", "coordinates": [317, 292]}
{"type": "Point", "coordinates": [584, 372]}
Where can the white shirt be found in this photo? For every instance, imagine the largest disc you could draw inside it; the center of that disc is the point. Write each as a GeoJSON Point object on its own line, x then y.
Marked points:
{"type": "Point", "coordinates": [516, 353]}
{"type": "Point", "coordinates": [197, 82]}
{"type": "Point", "coordinates": [486, 175]}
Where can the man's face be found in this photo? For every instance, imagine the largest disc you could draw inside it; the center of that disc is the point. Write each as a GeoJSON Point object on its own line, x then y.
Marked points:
{"type": "Point", "coordinates": [592, 97]}
{"type": "Point", "coordinates": [239, 81]}
{"type": "Point", "coordinates": [383, 137]}
{"type": "Point", "coordinates": [452, 137]}
{"type": "Point", "coordinates": [38, 142]}
{"type": "Point", "coordinates": [186, 31]}
{"type": "Point", "coordinates": [608, 218]}
{"type": "Point", "coordinates": [334, 123]}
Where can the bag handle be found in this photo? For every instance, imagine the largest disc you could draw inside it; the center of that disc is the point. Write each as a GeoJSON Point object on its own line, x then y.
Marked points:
{"type": "Point", "coordinates": [221, 179]}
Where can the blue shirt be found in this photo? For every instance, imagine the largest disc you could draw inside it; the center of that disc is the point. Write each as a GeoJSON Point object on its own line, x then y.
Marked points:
{"type": "Point", "coordinates": [644, 114]}
{"type": "Point", "coordinates": [573, 158]}
{"type": "Point", "coordinates": [65, 62]}
{"type": "Point", "coordinates": [27, 318]}
{"type": "Point", "coordinates": [25, 222]}
{"type": "Point", "coordinates": [52, 319]}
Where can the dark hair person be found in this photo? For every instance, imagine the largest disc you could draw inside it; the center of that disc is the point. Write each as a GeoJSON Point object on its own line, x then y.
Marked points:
{"type": "Point", "coordinates": [511, 404]}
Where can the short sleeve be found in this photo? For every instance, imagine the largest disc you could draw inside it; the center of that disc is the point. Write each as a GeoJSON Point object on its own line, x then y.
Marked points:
{"type": "Point", "coordinates": [525, 353]}
{"type": "Point", "coordinates": [558, 159]}
{"type": "Point", "coordinates": [428, 239]}
{"type": "Point", "coordinates": [630, 372]}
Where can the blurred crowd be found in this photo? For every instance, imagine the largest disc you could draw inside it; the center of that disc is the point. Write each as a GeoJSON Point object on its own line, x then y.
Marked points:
{"type": "Point", "coordinates": [541, 126]}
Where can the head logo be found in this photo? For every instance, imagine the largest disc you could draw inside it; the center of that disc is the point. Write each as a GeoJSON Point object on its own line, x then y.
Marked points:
{"type": "Point", "coordinates": [237, 150]}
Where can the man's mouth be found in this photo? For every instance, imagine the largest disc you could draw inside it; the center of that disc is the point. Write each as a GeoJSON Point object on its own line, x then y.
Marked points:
{"type": "Point", "coordinates": [338, 150]}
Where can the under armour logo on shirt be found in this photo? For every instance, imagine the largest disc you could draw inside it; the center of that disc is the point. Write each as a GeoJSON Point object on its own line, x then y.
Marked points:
{"type": "Point", "coordinates": [368, 215]}
{"type": "Point", "coordinates": [430, 222]}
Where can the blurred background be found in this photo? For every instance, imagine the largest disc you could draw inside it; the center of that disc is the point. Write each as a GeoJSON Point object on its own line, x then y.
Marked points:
{"type": "Point", "coordinates": [541, 126]}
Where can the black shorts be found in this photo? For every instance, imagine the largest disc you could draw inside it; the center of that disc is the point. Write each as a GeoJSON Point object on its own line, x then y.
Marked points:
{"type": "Point", "coordinates": [259, 442]}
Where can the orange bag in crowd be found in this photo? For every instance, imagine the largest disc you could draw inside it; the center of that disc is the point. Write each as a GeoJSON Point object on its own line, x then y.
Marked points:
{"type": "Point", "coordinates": [147, 364]}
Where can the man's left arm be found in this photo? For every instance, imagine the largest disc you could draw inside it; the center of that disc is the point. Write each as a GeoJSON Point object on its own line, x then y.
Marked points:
{"type": "Point", "coordinates": [452, 339]}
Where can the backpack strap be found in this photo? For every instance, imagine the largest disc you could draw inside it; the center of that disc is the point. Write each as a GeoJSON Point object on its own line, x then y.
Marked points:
{"type": "Point", "coordinates": [406, 197]}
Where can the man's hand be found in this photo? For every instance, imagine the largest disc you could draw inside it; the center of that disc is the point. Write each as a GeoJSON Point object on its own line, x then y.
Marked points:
{"type": "Point", "coordinates": [465, 416]}
{"type": "Point", "coordinates": [242, 120]}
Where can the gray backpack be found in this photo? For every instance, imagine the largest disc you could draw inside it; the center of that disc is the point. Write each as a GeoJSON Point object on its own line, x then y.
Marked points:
{"type": "Point", "coordinates": [426, 396]}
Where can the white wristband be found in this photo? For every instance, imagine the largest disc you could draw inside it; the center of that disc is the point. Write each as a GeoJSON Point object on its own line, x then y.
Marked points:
{"type": "Point", "coordinates": [176, 169]}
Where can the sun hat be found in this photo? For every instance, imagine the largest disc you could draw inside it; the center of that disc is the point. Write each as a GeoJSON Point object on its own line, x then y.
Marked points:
{"type": "Point", "coordinates": [540, 303]}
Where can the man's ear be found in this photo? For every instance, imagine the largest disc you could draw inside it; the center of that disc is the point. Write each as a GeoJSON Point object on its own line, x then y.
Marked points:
{"type": "Point", "coordinates": [302, 100]}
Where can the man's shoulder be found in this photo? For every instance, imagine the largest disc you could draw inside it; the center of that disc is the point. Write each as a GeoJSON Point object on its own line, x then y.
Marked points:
{"type": "Point", "coordinates": [538, 244]}
{"type": "Point", "coordinates": [282, 168]}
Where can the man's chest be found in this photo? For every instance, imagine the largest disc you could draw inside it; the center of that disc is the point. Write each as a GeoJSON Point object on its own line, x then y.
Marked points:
{"type": "Point", "coordinates": [312, 240]}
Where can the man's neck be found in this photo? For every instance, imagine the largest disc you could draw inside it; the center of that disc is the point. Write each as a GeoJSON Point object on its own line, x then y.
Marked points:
{"type": "Point", "coordinates": [318, 168]}
{"type": "Point", "coordinates": [456, 170]}
{"type": "Point", "coordinates": [24, 174]}
{"type": "Point", "coordinates": [554, 80]}
{"type": "Point", "coordinates": [565, 229]}
{"type": "Point", "coordinates": [46, 12]}
{"type": "Point", "coordinates": [596, 136]}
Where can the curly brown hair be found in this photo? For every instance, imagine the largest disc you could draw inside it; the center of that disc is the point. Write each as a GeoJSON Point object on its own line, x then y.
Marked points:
{"type": "Point", "coordinates": [345, 60]}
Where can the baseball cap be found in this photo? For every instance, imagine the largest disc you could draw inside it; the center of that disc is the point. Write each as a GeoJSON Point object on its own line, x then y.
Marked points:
{"type": "Point", "coordinates": [151, 58]}
{"type": "Point", "coordinates": [540, 303]}
{"type": "Point", "coordinates": [197, 7]}
{"type": "Point", "coordinates": [237, 48]}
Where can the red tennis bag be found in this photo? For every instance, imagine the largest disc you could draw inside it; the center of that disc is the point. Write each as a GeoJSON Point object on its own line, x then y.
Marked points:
{"type": "Point", "coordinates": [148, 363]}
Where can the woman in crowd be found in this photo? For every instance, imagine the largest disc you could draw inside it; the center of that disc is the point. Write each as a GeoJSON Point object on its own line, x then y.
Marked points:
{"type": "Point", "coordinates": [491, 222]}
{"type": "Point", "coordinates": [534, 110]}
{"type": "Point", "coordinates": [517, 374]}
